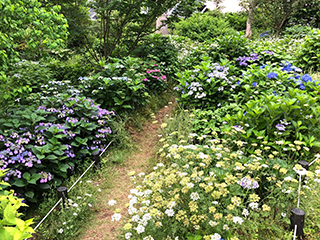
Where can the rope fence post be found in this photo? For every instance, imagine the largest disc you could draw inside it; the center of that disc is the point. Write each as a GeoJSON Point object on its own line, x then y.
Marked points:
{"type": "Point", "coordinates": [297, 222]}
{"type": "Point", "coordinates": [96, 158]}
{"type": "Point", "coordinates": [304, 164]}
{"type": "Point", "coordinates": [63, 193]}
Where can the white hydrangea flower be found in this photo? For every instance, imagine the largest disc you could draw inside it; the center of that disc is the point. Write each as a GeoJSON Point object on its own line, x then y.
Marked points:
{"type": "Point", "coordinates": [135, 218]}
{"type": "Point", "coordinates": [128, 235]}
{"type": "Point", "coordinates": [140, 229]}
{"type": "Point", "coordinates": [215, 236]}
{"type": "Point", "coordinates": [245, 212]}
{"type": "Point", "coordinates": [254, 205]}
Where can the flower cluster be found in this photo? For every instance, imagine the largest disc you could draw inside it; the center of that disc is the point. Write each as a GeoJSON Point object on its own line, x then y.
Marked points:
{"type": "Point", "coordinates": [208, 82]}
{"type": "Point", "coordinates": [243, 60]}
{"type": "Point", "coordinates": [208, 187]}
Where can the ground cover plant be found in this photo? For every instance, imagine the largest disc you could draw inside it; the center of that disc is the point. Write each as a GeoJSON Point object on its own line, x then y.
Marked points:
{"type": "Point", "coordinates": [211, 190]}
{"type": "Point", "coordinates": [70, 218]}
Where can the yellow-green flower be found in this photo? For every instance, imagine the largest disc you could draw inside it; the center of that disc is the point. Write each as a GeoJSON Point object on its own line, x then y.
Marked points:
{"type": "Point", "coordinates": [127, 226]}
{"type": "Point", "coordinates": [265, 208]}
{"type": "Point", "coordinates": [254, 197]}
{"type": "Point", "coordinates": [164, 125]}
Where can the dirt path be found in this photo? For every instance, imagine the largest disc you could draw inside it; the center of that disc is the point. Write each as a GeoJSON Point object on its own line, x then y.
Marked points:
{"type": "Point", "coordinates": [102, 227]}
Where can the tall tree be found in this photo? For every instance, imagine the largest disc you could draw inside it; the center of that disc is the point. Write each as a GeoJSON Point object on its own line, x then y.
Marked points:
{"type": "Point", "coordinates": [77, 14]}
{"type": "Point", "coordinates": [121, 24]}
{"type": "Point", "coordinates": [273, 13]}
{"type": "Point", "coordinates": [28, 29]}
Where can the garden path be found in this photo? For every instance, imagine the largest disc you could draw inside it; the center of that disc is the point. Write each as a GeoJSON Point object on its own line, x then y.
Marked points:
{"type": "Point", "coordinates": [102, 227]}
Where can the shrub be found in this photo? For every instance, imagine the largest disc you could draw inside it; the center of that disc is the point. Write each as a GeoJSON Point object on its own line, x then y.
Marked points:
{"type": "Point", "coordinates": [124, 85]}
{"type": "Point", "coordinates": [287, 122]}
{"type": "Point", "coordinates": [11, 224]}
{"type": "Point", "coordinates": [42, 146]}
{"type": "Point", "coordinates": [296, 31]}
{"type": "Point", "coordinates": [208, 121]}
{"type": "Point", "coordinates": [202, 26]}
{"type": "Point", "coordinates": [283, 49]}
{"type": "Point", "coordinates": [205, 87]}
{"type": "Point", "coordinates": [308, 56]}
{"type": "Point", "coordinates": [230, 46]}
{"type": "Point", "coordinates": [118, 87]}
{"type": "Point", "coordinates": [70, 69]}
{"type": "Point", "coordinates": [26, 77]}
{"type": "Point", "coordinates": [160, 48]}
{"type": "Point", "coordinates": [238, 20]}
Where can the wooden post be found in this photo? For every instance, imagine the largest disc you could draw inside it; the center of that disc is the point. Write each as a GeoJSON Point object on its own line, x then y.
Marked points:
{"type": "Point", "coordinates": [297, 218]}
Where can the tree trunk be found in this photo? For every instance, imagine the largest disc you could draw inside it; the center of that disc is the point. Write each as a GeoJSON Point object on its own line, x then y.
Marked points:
{"type": "Point", "coordinates": [249, 20]}
{"type": "Point", "coordinates": [164, 28]}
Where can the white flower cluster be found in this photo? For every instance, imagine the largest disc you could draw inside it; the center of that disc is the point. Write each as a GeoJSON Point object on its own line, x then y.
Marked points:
{"type": "Point", "coordinates": [196, 87]}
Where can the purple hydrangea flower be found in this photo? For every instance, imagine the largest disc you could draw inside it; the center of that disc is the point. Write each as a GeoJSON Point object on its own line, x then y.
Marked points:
{"type": "Point", "coordinates": [248, 183]}
{"type": "Point", "coordinates": [281, 127]}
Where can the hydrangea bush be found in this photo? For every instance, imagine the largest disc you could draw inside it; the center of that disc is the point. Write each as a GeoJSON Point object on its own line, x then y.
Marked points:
{"type": "Point", "coordinates": [291, 118]}
{"type": "Point", "coordinates": [205, 87]}
{"type": "Point", "coordinates": [44, 145]}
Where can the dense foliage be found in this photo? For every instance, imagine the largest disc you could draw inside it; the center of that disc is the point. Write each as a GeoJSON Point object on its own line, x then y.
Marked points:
{"type": "Point", "coordinates": [249, 113]}
{"type": "Point", "coordinates": [231, 163]}
{"type": "Point", "coordinates": [201, 27]}
{"type": "Point", "coordinates": [309, 54]}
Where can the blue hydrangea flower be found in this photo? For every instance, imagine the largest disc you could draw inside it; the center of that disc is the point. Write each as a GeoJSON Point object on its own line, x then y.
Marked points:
{"type": "Point", "coordinates": [272, 75]}
{"type": "Point", "coordinates": [302, 87]}
{"type": "Point", "coordinates": [264, 34]}
{"type": "Point", "coordinates": [306, 78]}
{"type": "Point", "coordinates": [254, 84]}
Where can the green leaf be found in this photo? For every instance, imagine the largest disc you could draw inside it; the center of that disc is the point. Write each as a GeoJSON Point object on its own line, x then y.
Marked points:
{"type": "Point", "coordinates": [75, 144]}
{"type": "Point", "coordinates": [19, 183]}
{"type": "Point", "coordinates": [51, 119]}
{"type": "Point", "coordinates": [58, 152]}
{"type": "Point", "coordinates": [64, 167]}
{"type": "Point", "coordinates": [51, 157]}
{"type": "Point", "coordinates": [26, 175]}
{"type": "Point", "coordinates": [9, 214]}
{"type": "Point", "coordinates": [44, 186]}
{"type": "Point", "coordinates": [29, 194]}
